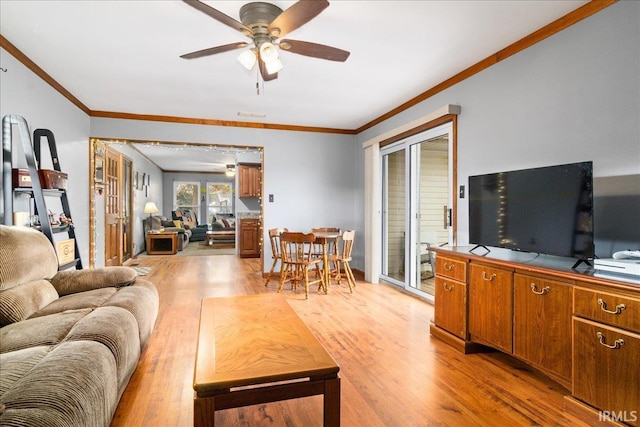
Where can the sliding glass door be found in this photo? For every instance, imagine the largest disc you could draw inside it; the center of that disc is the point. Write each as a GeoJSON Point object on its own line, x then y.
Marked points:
{"type": "Point", "coordinates": [417, 201]}
{"type": "Point", "coordinates": [394, 215]}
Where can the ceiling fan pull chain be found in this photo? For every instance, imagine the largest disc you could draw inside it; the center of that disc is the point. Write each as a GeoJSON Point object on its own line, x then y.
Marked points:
{"type": "Point", "coordinates": [257, 81]}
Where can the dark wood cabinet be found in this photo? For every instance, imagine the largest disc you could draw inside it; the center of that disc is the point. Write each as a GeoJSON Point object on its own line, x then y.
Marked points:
{"type": "Point", "coordinates": [249, 238]}
{"type": "Point", "coordinates": [249, 180]}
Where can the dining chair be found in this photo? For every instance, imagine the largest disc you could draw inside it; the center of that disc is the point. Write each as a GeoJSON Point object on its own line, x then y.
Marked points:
{"type": "Point", "coordinates": [343, 257]}
{"type": "Point", "coordinates": [427, 258]}
{"type": "Point", "coordinates": [276, 252]}
{"type": "Point", "coordinates": [297, 257]}
{"type": "Point", "coordinates": [332, 248]}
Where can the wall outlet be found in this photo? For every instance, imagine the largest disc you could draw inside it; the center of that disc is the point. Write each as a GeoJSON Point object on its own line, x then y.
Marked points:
{"type": "Point", "coordinates": [270, 198]}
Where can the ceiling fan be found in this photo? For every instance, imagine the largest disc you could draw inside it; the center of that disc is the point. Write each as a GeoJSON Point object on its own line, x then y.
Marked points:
{"type": "Point", "coordinates": [265, 24]}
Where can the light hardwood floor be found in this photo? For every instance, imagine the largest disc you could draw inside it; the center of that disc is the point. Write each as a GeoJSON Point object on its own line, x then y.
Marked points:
{"type": "Point", "coordinates": [393, 373]}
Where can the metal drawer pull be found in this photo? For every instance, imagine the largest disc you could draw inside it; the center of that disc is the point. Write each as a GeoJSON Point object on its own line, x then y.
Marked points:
{"type": "Point", "coordinates": [449, 267]}
{"type": "Point", "coordinates": [448, 288]}
{"type": "Point", "coordinates": [616, 344]}
{"type": "Point", "coordinates": [490, 278]}
{"type": "Point", "coordinates": [603, 306]}
{"type": "Point", "coordinates": [542, 292]}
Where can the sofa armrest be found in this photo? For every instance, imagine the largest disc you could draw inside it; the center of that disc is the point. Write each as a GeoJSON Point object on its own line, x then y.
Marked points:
{"type": "Point", "coordinates": [73, 281]}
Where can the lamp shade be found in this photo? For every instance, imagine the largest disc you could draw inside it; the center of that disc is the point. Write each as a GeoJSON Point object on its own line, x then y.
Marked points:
{"type": "Point", "coordinates": [248, 59]}
{"type": "Point", "coordinates": [150, 208]}
{"type": "Point", "coordinates": [268, 52]}
{"type": "Point", "coordinates": [273, 66]}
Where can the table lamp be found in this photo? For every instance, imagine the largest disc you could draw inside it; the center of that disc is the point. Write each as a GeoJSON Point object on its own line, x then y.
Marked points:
{"type": "Point", "coordinates": [150, 208]}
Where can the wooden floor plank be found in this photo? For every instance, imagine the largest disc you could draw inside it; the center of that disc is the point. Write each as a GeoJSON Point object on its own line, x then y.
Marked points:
{"type": "Point", "coordinates": [393, 373]}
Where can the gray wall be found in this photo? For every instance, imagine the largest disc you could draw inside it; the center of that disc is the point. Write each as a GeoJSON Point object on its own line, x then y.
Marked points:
{"type": "Point", "coordinates": [312, 176]}
{"type": "Point", "coordinates": [25, 94]}
{"type": "Point", "coordinates": [572, 97]}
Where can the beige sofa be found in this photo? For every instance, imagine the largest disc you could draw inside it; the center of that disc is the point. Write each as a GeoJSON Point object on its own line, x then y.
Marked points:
{"type": "Point", "coordinates": [69, 340]}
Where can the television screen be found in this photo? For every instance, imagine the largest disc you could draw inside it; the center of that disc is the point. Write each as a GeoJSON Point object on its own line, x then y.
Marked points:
{"type": "Point", "coordinates": [547, 210]}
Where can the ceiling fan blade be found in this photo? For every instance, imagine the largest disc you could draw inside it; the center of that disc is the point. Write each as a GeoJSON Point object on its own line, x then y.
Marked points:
{"type": "Point", "coordinates": [219, 16]}
{"type": "Point", "coordinates": [265, 74]}
{"type": "Point", "coordinates": [314, 50]}
{"type": "Point", "coordinates": [296, 16]}
{"type": "Point", "coordinates": [214, 50]}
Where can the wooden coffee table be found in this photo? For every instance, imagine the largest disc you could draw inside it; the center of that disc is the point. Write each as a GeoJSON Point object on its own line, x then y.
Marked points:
{"type": "Point", "coordinates": [254, 349]}
{"type": "Point", "coordinates": [220, 237]}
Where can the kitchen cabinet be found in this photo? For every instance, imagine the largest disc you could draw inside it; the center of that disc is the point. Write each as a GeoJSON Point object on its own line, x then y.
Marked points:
{"type": "Point", "coordinates": [249, 238]}
{"type": "Point", "coordinates": [249, 180]}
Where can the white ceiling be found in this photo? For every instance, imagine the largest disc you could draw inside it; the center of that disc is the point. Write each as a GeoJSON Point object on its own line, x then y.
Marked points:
{"type": "Point", "coordinates": [123, 56]}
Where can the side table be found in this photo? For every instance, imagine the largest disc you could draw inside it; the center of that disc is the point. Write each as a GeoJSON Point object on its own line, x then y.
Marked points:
{"type": "Point", "coordinates": [164, 243]}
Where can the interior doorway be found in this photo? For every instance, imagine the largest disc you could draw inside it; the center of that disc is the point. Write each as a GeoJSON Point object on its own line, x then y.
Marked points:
{"type": "Point", "coordinates": [111, 182]}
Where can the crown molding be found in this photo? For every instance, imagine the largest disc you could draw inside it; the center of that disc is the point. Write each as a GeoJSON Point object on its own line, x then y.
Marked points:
{"type": "Point", "coordinates": [213, 122]}
{"type": "Point", "coordinates": [27, 62]}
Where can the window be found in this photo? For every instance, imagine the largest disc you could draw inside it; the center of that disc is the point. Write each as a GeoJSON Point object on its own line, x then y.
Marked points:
{"type": "Point", "coordinates": [219, 199]}
{"type": "Point", "coordinates": [186, 195]}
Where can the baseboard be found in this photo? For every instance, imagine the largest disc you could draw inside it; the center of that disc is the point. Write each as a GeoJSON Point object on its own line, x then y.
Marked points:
{"type": "Point", "coordinates": [465, 347]}
{"type": "Point", "coordinates": [588, 414]}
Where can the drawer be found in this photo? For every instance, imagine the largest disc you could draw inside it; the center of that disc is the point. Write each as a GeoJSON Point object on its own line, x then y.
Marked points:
{"type": "Point", "coordinates": [607, 307]}
{"type": "Point", "coordinates": [452, 268]}
{"type": "Point", "coordinates": [606, 369]}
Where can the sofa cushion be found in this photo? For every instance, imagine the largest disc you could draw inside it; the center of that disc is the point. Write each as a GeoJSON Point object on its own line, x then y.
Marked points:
{"type": "Point", "coordinates": [141, 300]}
{"type": "Point", "coordinates": [16, 364]}
{"type": "Point", "coordinates": [46, 330]}
{"type": "Point", "coordinates": [87, 299]}
{"type": "Point", "coordinates": [20, 302]}
{"type": "Point", "coordinates": [116, 329]}
{"type": "Point", "coordinates": [72, 281]}
{"type": "Point", "coordinates": [75, 384]}
{"type": "Point", "coordinates": [25, 255]}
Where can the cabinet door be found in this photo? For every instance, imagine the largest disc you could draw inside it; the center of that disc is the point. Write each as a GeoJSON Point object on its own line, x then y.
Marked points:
{"type": "Point", "coordinates": [450, 307]}
{"type": "Point", "coordinates": [249, 238]}
{"type": "Point", "coordinates": [606, 371]}
{"type": "Point", "coordinates": [491, 306]}
{"type": "Point", "coordinates": [249, 177]}
{"type": "Point", "coordinates": [542, 324]}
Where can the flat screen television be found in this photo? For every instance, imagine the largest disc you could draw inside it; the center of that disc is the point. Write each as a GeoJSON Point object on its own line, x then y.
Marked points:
{"type": "Point", "coordinates": [547, 210]}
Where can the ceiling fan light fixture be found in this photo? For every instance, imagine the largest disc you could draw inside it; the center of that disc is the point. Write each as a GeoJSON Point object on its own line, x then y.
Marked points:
{"type": "Point", "coordinates": [273, 66]}
{"type": "Point", "coordinates": [268, 52]}
{"type": "Point", "coordinates": [248, 59]}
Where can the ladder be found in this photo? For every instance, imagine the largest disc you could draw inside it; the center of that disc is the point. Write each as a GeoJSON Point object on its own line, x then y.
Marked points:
{"type": "Point", "coordinates": [33, 155]}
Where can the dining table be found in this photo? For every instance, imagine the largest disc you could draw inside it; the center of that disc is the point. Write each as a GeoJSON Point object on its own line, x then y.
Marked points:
{"type": "Point", "coordinates": [324, 238]}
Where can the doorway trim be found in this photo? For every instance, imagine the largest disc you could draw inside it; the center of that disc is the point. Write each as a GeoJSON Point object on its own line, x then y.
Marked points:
{"type": "Point", "coordinates": [372, 196]}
